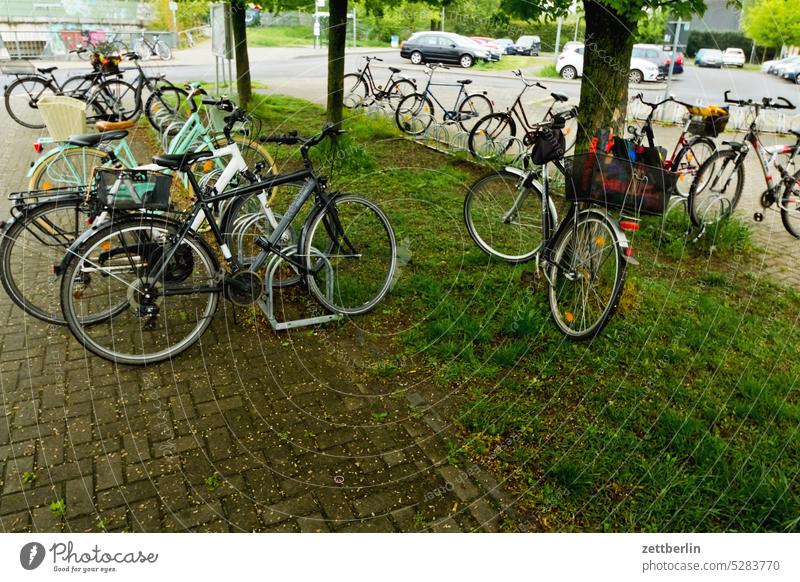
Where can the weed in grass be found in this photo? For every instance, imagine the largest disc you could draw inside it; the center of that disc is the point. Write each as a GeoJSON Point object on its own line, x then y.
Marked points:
{"type": "Point", "coordinates": [380, 417]}
{"type": "Point", "coordinates": [420, 521]}
{"type": "Point", "coordinates": [213, 482]}
{"type": "Point", "coordinates": [509, 354]}
{"type": "Point", "coordinates": [28, 477]}
{"type": "Point", "coordinates": [58, 508]}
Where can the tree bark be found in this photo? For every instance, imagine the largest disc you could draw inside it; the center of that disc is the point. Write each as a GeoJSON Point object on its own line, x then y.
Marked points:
{"type": "Point", "coordinates": [606, 66]}
{"type": "Point", "coordinates": [337, 38]}
{"type": "Point", "coordinates": [243, 85]}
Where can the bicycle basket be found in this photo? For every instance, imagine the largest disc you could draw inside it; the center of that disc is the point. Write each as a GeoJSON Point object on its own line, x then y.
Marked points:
{"type": "Point", "coordinates": [129, 189]}
{"type": "Point", "coordinates": [110, 65]}
{"type": "Point", "coordinates": [708, 121]}
{"type": "Point", "coordinates": [63, 116]}
{"type": "Point", "coordinates": [613, 182]}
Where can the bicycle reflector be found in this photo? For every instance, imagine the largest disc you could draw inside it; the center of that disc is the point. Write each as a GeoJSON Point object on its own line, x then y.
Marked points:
{"type": "Point", "coordinates": [628, 225]}
{"type": "Point", "coordinates": [38, 147]}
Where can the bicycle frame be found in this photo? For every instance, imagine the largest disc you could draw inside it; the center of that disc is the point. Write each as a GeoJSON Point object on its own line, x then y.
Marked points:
{"type": "Point", "coordinates": [462, 94]}
{"type": "Point", "coordinates": [768, 156]}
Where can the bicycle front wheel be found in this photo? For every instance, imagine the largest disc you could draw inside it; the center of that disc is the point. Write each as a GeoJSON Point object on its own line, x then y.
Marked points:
{"type": "Point", "coordinates": [472, 110]}
{"type": "Point", "coordinates": [117, 99]}
{"type": "Point", "coordinates": [161, 315]}
{"type": "Point", "coordinates": [790, 207]}
{"type": "Point", "coordinates": [66, 168]}
{"type": "Point", "coordinates": [414, 114]}
{"type": "Point", "coordinates": [586, 275]}
{"type": "Point", "coordinates": [22, 100]}
{"type": "Point", "coordinates": [163, 50]}
{"type": "Point", "coordinates": [688, 161]}
{"type": "Point", "coordinates": [164, 106]}
{"type": "Point", "coordinates": [355, 91]}
{"type": "Point", "coordinates": [33, 242]}
{"type": "Point", "coordinates": [492, 136]}
{"type": "Point", "coordinates": [716, 189]}
{"type": "Point", "coordinates": [351, 255]}
{"type": "Point", "coordinates": [504, 217]}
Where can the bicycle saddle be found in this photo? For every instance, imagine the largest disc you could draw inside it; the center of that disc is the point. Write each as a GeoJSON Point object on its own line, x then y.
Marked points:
{"type": "Point", "coordinates": [92, 139]}
{"type": "Point", "coordinates": [795, 132]}
{"type": "Point", "coordinates": [181, 161]}
{"type": "Point", "coordinates": [464, 81]}
{"type": "Point", "coordinates": [559, 97]}
{"type": "Point", "coordinates": [394, 69]}
{"type": "Point", "coordinates": [45, 70]}
{"type": "Point", "coordinates": [114, 125]}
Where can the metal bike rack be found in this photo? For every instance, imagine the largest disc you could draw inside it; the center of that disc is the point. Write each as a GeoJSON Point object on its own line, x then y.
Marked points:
{"type": "Point", "coordinates": [268, 306]}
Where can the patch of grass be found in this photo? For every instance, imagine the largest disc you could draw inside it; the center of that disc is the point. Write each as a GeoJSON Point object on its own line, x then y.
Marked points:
{"type": "Point", "coordinates": [28, 477]}
{"type": "Point", "coordinates": [380, 417]}
{"type": "Point", "coordinates": [213, 482]}
{"type": "Point", "coordinates": [509, 63]}
{"type": "Point", "coordinates": [58, 508]}
{"type": "Point", "coordinates": [548, 71]}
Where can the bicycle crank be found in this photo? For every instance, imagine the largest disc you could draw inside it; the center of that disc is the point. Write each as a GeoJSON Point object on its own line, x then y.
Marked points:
{"type": "Point", "coordinates": [242, 288]}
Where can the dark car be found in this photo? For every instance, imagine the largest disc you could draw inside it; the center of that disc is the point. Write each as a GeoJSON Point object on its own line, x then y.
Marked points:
{"type": "Point", "coordinates": [507, 45]}
{"type": "Point", "coordinates": [529, 45]}
{"type": "Point", "coordinates": [443, 47]}
{"type": "Point", "coordinates": [792, 73]}
{"type": "Point", "coordinates": [659, 57]}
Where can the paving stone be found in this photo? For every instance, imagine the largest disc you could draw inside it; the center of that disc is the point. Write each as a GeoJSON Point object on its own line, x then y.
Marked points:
{"type": "Point", "coordinates": [145, 516]}
{"type": "Point", "coordinates": [373, 525]}
{"type": "Point", "coordinates": [314, 523]}
{"type": "Point", "coordinates": [172, 492]}
{"type": "Point", "coordinates": [459, 482]}
{"type": "Point", "coordinates": [43, 520]}
{"type": "Point", "coordinates": [108, 471]}
{"type": "Point", "coordinates": [289, 509]}
{"type": "Point", "coordinates": [192, 517]}
{"type": "Point", "coordinates": [16, 468]}
{"type": "Point", "coordinates": [242, 514]}
{"type": "Point", "coordinates": [486, 515]}
{"type": "Point", "coordinates": [448, 525]}
{"type": "Point", "coordinates": [80, 496]}
{"type": "Point", "coordinates": [50, 451]}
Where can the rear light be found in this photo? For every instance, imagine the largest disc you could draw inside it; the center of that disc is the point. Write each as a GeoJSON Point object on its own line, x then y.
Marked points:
{"type": "Point", "coordinates": [560, 57]}
{"type": "Point", "coordinates": [38, 147]}
{"type": "Point", "coordinates": [628, 225]}
{"type": "Point", "coordinates": [679, 60]}
{"type": "Point", "coordinates": [629, 252]}
{"type": "Point", "coordinates": [667, 61]}
{"type": "Point", "coordinates": [402, 44]}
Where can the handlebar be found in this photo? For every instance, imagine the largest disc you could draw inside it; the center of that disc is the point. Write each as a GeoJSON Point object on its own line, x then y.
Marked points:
{"type": "Point", "coordinates": [368, 59]}
{"type": "Point", "coordinates": [518, 73]}
{"type": "Point", "coordinates": [306, 143]}
{"type": "Point", "coordinates": [433, 66]}
{"type": "Point", "coordinates": [766, 102]}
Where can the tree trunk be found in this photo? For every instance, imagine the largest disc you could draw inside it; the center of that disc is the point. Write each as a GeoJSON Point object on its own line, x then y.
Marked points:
{"type": "Point", "coordinates": [337, 38]}
{"type": "Point", "coordinates": [243, 86]}
{"type": "Point", "coordinates": [606, 66]}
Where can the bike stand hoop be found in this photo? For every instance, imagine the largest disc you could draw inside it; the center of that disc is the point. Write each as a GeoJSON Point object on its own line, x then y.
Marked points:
{"type": "Point", "coordinates": [268, 306]}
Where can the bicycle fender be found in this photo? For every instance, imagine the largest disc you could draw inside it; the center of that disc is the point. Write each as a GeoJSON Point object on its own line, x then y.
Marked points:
{"type": "Point", "coordinates": [528, 176]}
{"type": "Point", "coordinates": [623, 239]}
{"type": "Point", "coordinates": [58, 268]}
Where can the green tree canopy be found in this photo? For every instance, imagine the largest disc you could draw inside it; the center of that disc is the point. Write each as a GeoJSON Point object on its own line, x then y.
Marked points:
{"type": "Point", "coordinates": [773, 23]}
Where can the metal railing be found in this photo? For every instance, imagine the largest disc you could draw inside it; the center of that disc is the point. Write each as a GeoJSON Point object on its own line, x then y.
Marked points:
{"type": "Point", "coordinates": [56, 44]}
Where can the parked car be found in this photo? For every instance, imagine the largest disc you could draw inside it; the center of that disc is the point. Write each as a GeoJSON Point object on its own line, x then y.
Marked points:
{"type": "Point", "coordinates": [781, 66]}
{"type": "Point", "coordinates": [659, 57]}
{"type": "Point", "coordinates": [733, 57]}
{"type": "Point", "coordinates": [571, 43]}
{"type": "Point", "coordinates": [507, 45]}
{"type": "Point", "coordinates": [792, 73]}
{"type": "Point", "coordinates": [495, 52]}
{"type": "Point", "coordinates": [570, 66]}
{"type": "Point", "coordinates": [767, 65]}
{"type": "Point", "coordinates": [708, 58]}
{"type": "Point", "coordinates": [443, 47]}
{"type": "Point", "coordinates": [528, 45]}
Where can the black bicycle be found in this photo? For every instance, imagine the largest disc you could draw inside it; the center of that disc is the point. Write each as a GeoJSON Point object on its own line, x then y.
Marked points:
{"type": "Point", "coordinates": [144, 291]}
{"type": "Point", "coordinates": [360, 89]}
{"type": "Point", "coordinates": [415, 112]}
{"type": "Point", "coordinates": [155, 47]}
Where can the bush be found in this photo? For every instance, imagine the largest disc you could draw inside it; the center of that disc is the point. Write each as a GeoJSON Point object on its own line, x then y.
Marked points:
{"type": "Point", "coordinates": [707, 39]}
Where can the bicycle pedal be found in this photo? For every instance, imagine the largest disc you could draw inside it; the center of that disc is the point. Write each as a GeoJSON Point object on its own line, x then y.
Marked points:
{"type": "Point", "coordinates": [758, 217]}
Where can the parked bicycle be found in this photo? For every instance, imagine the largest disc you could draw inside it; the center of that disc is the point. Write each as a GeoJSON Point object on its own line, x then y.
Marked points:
{"type": "Point", "coordinates": [155, 47]}
{"type": "Point", "coordinates": [689, 153]}
{"type": "Point", "coordinates": [510, 214]}
{"type": "Point", "coordinates": [496, 134]}
{"type": "Point", "coordinates": [415, 113]}
{"type": "Point", "coordinates": [718, 185]}
{"type": "Point", "coordinates": [143, 292]}
{"type": "Point", "coordinates": [360, 89]}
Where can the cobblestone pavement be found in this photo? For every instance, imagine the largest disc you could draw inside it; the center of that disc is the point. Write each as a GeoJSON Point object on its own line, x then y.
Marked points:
{"type": "Point", "coordinates": [247, 431]}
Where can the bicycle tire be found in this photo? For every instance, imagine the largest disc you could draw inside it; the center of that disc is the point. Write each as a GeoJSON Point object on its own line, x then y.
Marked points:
{"type": "Point", "coordinates": [344, 231]}
{"type": "Point", "coordinates": [690, 155]}
{"type": "Point", "coordinates": [414, 114]}
{"type": "Point", "coordinates": [35, 240]}
{"type": "Point", "coordinates": [707, 189]}
{"type": "Point", "coordinates": [790, 207]}
{"type": "Point", "coordinates": [489, 200]}
{"type": "Point", "coordinates": [475, 107]}
{"type": "Point", "coordinates": [118, 99]}
{"type": "Point", "coordinates": [398, 91]}
{"type": "Point", "coordinates": [64, 168]}
{"type": "Point", "coordinates": [497, 129]}
{"type": "Point", "coordinates": [160, 102]}
{"type": "Point", "coordinates": [355, 90]}
{"type": "Point", "coordinates": [79, 91]}
{"type": "Point", "coordinates": [592, 230]}
{"type": "Point", "coordinates": [163, 50]}
{"type": "Point", "coordinates": [22, 106]}
{"type": "Point", "coordinates": [124, 337]}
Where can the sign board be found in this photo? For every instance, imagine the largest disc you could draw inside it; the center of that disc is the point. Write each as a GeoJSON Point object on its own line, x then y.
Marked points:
{"type": "Point", "coordinates": [173, 6]}
{"type": "Point", "coordinates": [221, 33]}
{"type": "Point", "coordinates": [321, 3]}
{"type": "Point", "coordinates": [683, 34]}
{"type": "Point", "coordinates": [316, 28]}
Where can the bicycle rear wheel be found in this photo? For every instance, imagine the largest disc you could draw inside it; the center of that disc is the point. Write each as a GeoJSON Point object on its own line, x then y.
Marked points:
{"type": "Point", "coordinates": [162, 316]}
{"type": "Point", "coordinates": [355, 91]}
{"type": "Point", "coordinates": [351, 255]}
{"type": "Point", "coordinates": [716, 189]}
{"type": "Point", "coordinates": [163, 50]}
{"type": "Point", "coordinates": [493, 136]}
{"type": "Point", "coordinates": [586, 274]}
{"type": "Point", "coordinates": [472, 110]}
{"type": "Point", "coordinates": [66, 168]}
{"type": "Point", "coordinates": [164, 106]}
{"type": "Point", "coordinates": [22, 100]}
{"type": "Point", "coordinates": [504, 217]}
{"type": "Point", "coordinates": [790, 207]}
{"type": "Point", "coordinates": [32, 243]}
{"type": "Point", "coordinates": [688, 161]}
{"type": "Point", "coordinates": [117, 99]}
{"type": "Point", "coordinates": [414, 114]}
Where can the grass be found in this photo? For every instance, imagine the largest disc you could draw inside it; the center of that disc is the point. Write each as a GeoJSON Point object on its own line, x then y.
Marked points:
{"type": "Point", "coordinates": [681, 416]}
{"type": "Point", "coordinates": [548, 71]}
{"type": "Point", "coordinates": [296, 36]}
{"type": "Point", "coordinates": [510, 63]}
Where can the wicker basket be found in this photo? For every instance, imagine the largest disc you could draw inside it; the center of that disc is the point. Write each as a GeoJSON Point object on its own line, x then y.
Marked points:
{"type": "Point", "coordinates": [710, 126]}
{"type": "Point", "coordinates": [614, 182]}
{"type": "Point", "coordinates": [63, 116]}
{"type": "Point", "coordinates": [129, 189]}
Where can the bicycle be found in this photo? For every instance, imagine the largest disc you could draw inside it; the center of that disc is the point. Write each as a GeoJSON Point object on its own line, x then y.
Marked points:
{"type": "Point", "coordinates": [688, 154]}
{"type": "Point", "coordinates": [582, 258]}
{"type": "Point", "coordinates": [360, 86]}
{"type": "Point", "coordinates": [154, 48]}
{"type": "Point", "coordinates": [46, 223]}
{"type": "Point", "coordinates": [719, 182]}
{"type": "Point", "coordinates": [415, 112]}
{"type": "Point", "coordinates": [494, 134]}
{"type": "Point", "coordinates": [140, 293]}
{"type": "Point", "coordinates": [22, 96]}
